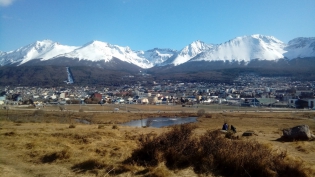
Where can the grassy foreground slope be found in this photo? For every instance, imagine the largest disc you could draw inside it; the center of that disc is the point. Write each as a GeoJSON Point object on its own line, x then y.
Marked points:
{"type": "Point", "coordinates": [36, 143]}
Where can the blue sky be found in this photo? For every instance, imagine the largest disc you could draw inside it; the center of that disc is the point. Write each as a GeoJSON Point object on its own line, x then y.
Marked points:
{"type": "Point", "coordinates": [145, 24]}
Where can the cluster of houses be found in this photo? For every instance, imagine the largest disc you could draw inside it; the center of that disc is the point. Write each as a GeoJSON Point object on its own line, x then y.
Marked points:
{"type": "Point", "coordinates": [247, 90]}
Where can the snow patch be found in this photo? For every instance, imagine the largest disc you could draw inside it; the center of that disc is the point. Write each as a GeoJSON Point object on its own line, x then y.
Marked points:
{"type": "Point", "coordinates": [244, 48]}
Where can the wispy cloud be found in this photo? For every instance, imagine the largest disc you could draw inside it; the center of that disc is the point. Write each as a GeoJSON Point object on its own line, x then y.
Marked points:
{"type": "Point", "coordinates": [6, 17]}
{"type": "Point", "coordinates": [6, 2]}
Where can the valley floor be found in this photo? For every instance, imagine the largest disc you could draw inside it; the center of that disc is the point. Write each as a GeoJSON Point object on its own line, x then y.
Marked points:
{"type": "Point", "coordinates": [42, 145]}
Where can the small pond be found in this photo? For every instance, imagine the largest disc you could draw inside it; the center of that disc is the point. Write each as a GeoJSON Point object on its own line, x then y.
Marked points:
{"type": "Point", "coordinates": [82, 121]}
{"type": "Point", "coordinates": [160, 121]}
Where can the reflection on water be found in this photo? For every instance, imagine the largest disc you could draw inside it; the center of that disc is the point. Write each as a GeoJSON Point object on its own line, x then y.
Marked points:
{"type": "Point", "coordinates": [160, 122]}
{"type": "Point", "coordinates": [83, 121]}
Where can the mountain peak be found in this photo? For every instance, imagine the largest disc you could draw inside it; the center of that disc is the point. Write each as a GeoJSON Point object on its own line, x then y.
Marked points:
{"type": "Point", "coordinates": [189, 52]}
{"type": "Point", "coordinates": [258, 37]}
{"type": "Point", "coordinates": [95, 42]}
{"type": "Point", "coordinates": [42, 43]}
{"type": "Point", "coordinates": [261, 36]}
{"type": "Point", "coordinates": [243, 48]}
{"type": "Point", "coordinates": [303, 40]}
{"type": "Point", "coordinates": [197, 42]}
{"type": "Point", "coordinates": [300, 47]}
{"type": "Point", "coordinates": [47, 41]}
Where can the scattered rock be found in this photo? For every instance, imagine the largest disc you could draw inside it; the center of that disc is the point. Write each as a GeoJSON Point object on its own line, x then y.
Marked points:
{"type": "Point", "coordinates": [223, 131]}
{"type": "Point", "coordinates": [249, 133]}
{"type": "Point", "coordinates": [301, 132]}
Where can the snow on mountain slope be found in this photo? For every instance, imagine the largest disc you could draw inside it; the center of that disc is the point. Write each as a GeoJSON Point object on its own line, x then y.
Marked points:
{"type": "Point", "coordinates": [97, 51]}
{"type": "Point", "coordinates": [189, 52]}
{"type": "Point", "coordinates": [157, 56]}
{"type": "Point", "coordinates": [44, 50]}
{"type": "Point", "coordinates": [245, 48]}
{"type": "Point", "coordinates": [300, 47]}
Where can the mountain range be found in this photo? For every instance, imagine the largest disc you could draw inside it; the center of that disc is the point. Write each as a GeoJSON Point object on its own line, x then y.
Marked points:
{"type": "Point", "coordinates": [43, 63]}
{"type": "Point", "coordinates": [243, 49]}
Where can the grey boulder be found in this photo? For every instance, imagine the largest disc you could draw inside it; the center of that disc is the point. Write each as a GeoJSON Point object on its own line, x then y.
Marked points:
{"type": "Point", "coordinates": [301, 132]}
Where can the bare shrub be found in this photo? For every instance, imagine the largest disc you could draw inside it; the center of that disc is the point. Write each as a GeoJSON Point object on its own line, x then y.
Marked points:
{"type": "Point", "coordinates": [51, 157]}
{"type": "Point", "coordinates": [101, 126]}
{"type": "Point", "coordinates": [201, 112]}
{"type": "Point", "coordinates": [9, 133]}
{"type": "Point", "coordinates": [229, 134]}
{"type": "Point", "coordinates": [61, 108]}
{"type": "Point", "coordinates": [87, 165]}
{"type": "Point", "coordinates": [208, 115]}
{"type": "Point", "coordinates": [92, 165]}
{"type": "Point", "coordinates": [211, 152]}
{"type": "Point", "coordinates": [75, 137]}
{"type": "Point", "coordinates": [174, 147]}
{"type": "Point", "coordinates": [30, 145]}
{"type": "Point", "coordinates": [39, 112]}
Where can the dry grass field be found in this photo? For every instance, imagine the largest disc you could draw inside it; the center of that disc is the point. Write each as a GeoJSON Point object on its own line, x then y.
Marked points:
{"type": "Point", "coordinates": [55, 143]}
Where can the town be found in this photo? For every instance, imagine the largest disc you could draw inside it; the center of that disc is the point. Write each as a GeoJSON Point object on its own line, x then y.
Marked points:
{"type": "Point", "coordinates": [248, 90]}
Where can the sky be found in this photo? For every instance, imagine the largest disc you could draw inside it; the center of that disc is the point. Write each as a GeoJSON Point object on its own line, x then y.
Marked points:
{"type": "Point", "coordinates": [146, 24]}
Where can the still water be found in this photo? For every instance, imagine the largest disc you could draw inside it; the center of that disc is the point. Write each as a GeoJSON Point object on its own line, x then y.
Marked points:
{"type": "Point", "coordinates": [160, 121]}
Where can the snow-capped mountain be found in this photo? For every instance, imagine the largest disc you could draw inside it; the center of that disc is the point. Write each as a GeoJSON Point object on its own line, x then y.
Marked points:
{"type": "Point", "coordinates": [300, 47]}
{"type": "Point", "coordinates": [245, 48]}
{"type": "Point", "coordinates": [189, 52]}
{"type": "Point", "coordinates": [102, 51]}
{"type": "Point", "coordinates": [240, 49]}
{"type": "Point", "coordinates": [157, 56]}
{"type": "Point", "coordinates": [44, 50]}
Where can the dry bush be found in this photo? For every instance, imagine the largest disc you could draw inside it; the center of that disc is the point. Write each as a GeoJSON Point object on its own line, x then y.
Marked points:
{"type": "Point", "coordinates": [201, 112]}
{"type": "Point", "coordinates": [93, 165]}
{"type": "Point", "coordinates": [52, 157]}
{"type": "Point", "coordinates": [61, 108]}
{"type": "Point", "coordinates": [159, 171]}
{"type": "Point", "coordinates": [101, 126]}
{"type": "Point", "coordinates": [30, 145]}
{"type": "Point", "coordinates": [76, 138]}
{"type": "Point", "coordinates": [208, 115]}
{"type": "Point", "coordinates": [212, 152]}
{"type": "Point", "coordinates": [72, 126]}
{"type": "Point", "coordinates": [87, 165]}
{"type": "Point", "coordinates": [39, 112]}
{"type": "Point", "coordinates": [174, 147]}
{"type": "Point", "coordinates": [230, 134]}
{"type": "Point", "coordinates": [9, 133]}
{"type": "Point", "coordinates": [115, 127]}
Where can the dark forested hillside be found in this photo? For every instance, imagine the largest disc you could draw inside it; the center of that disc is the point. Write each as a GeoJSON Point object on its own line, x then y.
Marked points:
{"type": "Point", "coordinates": [50, 76]}
{"type": "Point", "coordinates": [32, 75]}
{"type": "Point", "coordinates": [117, 72]}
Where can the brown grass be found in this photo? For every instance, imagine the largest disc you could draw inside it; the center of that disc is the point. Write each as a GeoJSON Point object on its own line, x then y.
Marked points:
{"type": "Point", "coordinates": [212, 152]}
{"type": "Point", "coordinates": [54, 156]}
{"type": "Point", "coordinates": [44, 145]}
{"type": "Point", "coordinates": [72, 126]}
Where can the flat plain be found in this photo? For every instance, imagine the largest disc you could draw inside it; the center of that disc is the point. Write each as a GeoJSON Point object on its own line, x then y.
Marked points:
{"type": "Point", "coordinates": [51, 142]}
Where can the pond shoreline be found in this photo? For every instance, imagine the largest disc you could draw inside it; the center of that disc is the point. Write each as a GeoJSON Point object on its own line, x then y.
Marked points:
{"type": "Point", "coordinates": [159, 122]}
